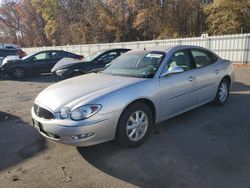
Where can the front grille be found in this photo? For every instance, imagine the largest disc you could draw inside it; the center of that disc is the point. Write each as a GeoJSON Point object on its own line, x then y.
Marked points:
{"type": "Point", "coordinates": [42, 112]}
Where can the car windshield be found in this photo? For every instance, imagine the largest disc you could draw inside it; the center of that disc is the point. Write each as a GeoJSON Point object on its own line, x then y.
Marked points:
{"type": "Point", "coordinates": [93, 56]}
{"type": "Point", "coordinates": [136, 64]}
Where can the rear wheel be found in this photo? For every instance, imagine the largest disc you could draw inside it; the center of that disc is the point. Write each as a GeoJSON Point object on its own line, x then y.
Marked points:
{"type": "Point", "coordinates": [222, 93]}
{"type": "Point", "coordinates": [18, 73]}
{"type": "Point", "coordinates": [134, 125]}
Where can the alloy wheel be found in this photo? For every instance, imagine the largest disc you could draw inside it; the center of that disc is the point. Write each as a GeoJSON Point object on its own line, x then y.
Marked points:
{"type": "Point", "coordinates": [137, 125]}
{"type": "Point", "coordinates": [223, 92]}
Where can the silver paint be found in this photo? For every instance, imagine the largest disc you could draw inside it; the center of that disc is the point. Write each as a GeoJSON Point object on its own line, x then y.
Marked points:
{"type": "Point", "coordinates": [171, 95]}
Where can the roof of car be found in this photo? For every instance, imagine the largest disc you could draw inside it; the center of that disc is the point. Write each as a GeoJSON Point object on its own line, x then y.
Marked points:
{"type": "Point", "coordinates": [7, 49]}
{"type": "Point", "coordinates": [111, 49]}
{"type": "Point", "coordinates": [165, 48]}
{"type": "Point", "coordinates": [52, 51]}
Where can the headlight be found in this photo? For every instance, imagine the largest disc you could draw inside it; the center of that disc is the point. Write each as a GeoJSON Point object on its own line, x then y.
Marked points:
{"type": "Point", "coordinates": [84, 112]}
{"type": "Point", "coordinates": [61, 72]}
{"type": "Point", "coordinates": [65, 112]}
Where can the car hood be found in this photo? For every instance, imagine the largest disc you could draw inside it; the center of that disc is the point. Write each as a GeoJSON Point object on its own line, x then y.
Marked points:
{"type": "Point", "coordinates": [64, 63]}
{"type": "Point", "coordinates": [81, 90]}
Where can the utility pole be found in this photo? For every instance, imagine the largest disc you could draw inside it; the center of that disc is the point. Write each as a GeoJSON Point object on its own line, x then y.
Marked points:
{"type": "Point", "coordinates": [241, 30]}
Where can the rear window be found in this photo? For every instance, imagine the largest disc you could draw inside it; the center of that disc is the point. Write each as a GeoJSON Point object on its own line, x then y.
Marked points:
{"type": "Point", "coordinates": [57, 55]}
{"type": "Point", "coordinates": [67, 54]}
{"type": "Point", "coordinates": [203, 58]}
{"type": "Point", "coordinates": [124, 51]}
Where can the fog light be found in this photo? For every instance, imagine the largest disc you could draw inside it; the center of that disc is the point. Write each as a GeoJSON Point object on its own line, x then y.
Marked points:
{"type": "Point", "coordinates": [82, 136]}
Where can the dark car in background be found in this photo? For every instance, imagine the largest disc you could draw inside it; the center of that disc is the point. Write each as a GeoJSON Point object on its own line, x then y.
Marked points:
{"type": "Point", "coordinates": [36, 63]}
{"type": "Point", "coordinates": [93, 63]}
{"type": "Point", "coordinates": [4, 52]}
{"type": "Point", "coordinates": [19, 51]}
{"type": "Point", "coordinates": [7, 52]}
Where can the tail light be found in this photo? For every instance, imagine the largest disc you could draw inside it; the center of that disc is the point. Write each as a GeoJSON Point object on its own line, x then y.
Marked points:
{"type": "Point", "coordinates": [80, 57]}
{"type": "Point", "coordinates": [21, 53]}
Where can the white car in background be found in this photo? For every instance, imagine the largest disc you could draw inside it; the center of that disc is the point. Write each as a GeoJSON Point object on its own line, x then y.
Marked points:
{"type": "Point", "coordinates": [9, 58]}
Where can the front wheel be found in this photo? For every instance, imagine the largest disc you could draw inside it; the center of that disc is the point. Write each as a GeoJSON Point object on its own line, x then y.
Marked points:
{"type": "Point", "coordinates": [134, 125]}
{"type": "Point", "coordinates": [222, 93]}
{"type": "Point", "coordinates": [18, 73]}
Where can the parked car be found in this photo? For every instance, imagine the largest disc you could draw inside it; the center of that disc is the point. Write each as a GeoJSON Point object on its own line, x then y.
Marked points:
{"type": "Point", "coordinates": [10, 58]}
{"type": "Point", "coordinates": [8, 46]}
{"type": "Point", "coordinates": [8, 49]}
{"type": "Point", "coordinates": [1, 60]}
{"type": "Point", "coordinates": [7, 52]}
{"type": "Point", "coordinates": [138, 90]}
{"type": "Point", "coordinates": [36, 63]}
{"type": "Point", "coordinates": [95, 62]}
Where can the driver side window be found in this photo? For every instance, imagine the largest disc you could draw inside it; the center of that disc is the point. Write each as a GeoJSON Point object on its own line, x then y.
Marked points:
{"type": "Point", "coordinates": [181, 59]}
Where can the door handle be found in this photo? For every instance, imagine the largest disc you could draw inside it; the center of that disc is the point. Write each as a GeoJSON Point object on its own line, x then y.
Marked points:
{"type": "Point", "coordinates": [217, 71]}
{"type": "Point", "coordinates": [191, 78]}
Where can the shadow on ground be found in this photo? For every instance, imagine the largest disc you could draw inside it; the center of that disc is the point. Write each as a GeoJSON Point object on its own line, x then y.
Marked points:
{"type": "Point", "coordinates": [44, 78]}
{"type": "Point", "coordinates": [205, 147]}
{"type": "Point", "coordinates": [18, 140]}
{"type": "Point", "coordinates": [237, 86]}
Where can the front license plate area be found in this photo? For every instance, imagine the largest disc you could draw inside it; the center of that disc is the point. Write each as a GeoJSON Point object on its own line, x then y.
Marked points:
{"type": "Point", "coordinates": [37, 125]}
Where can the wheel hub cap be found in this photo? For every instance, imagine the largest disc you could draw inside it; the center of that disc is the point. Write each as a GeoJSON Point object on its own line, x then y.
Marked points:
{"type": "Point", "coordinates": [137, 125]}
{"type": "Point", "coordinates": [223, 92]}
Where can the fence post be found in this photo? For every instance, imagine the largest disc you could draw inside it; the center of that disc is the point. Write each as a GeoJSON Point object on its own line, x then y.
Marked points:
{"type": "Point", "coordinates": [246, 50]}
{"type": "Point", "coordinates": [89, 49]}
{"type": "Point", "coordinates": [137, 44]}
{"type": "Point", "coordinates": [156, 43]}
{"type": "Point", "coordinates": [209, 43]}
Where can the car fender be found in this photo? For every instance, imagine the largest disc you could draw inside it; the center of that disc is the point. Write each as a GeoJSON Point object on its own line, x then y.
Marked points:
{"type": "Point", "coordinates": [113, 103]}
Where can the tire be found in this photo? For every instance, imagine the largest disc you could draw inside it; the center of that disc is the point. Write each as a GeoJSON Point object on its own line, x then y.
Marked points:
{"type": "Point", "coordinates": [222, 93]}
{"type": "Point", "coordinates": [135, 135]}
{"type": "Point", "coordinates": [18, 73]}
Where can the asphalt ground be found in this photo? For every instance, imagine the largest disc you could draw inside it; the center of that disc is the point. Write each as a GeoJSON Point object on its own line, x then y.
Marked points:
{"type": "Point", "coordinates": [207, 147]}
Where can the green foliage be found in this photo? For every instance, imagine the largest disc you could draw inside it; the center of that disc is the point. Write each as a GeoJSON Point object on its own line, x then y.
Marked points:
{"type": "Point", "coordinates": [50, 11]}
{"type": "Point", "coordinates": [227, 16]}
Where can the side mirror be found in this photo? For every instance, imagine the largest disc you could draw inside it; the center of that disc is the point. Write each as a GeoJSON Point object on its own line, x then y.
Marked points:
{"type": "Point", "coordinates": [173, 70]}
{"type": "Point", "coordinates": [107, 65]}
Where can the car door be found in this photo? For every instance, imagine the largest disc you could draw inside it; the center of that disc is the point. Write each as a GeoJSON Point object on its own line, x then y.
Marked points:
{"type": "Point", "coordinates": [43, 62]}
{"type": "Point", "coordinates": [178, 91]}
{"type": "Point", "coordinates": [208, 75]}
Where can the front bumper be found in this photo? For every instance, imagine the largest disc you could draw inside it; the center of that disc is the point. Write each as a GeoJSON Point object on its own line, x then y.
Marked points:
{"type": "Point", "coordinates": [63, 75]}
{"type": "Point", "coordinates": [98, 130]}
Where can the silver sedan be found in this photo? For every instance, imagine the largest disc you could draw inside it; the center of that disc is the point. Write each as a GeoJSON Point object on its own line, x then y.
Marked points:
{"type": "Point", "coordinates": [135, 92]}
